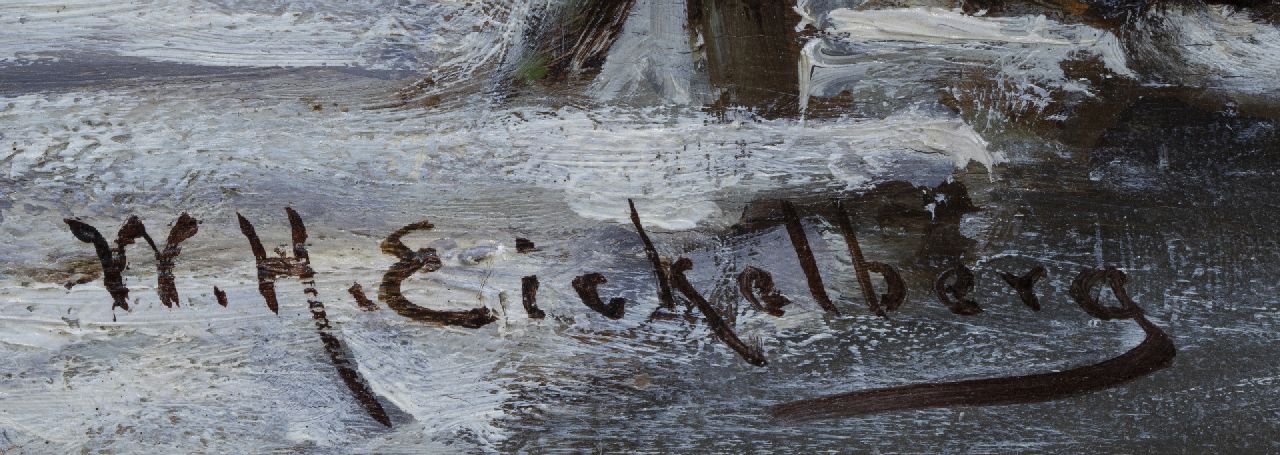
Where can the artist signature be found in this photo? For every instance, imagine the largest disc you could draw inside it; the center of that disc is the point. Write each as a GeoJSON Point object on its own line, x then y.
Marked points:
{"type": "Point", "coordinates": [756, 285]}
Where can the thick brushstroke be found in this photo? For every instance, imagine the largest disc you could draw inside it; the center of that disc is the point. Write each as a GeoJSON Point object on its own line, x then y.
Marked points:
{"type": "Point", "coordinates": [586, 287]}
{"type": "Point", "coordinates": [529, 297]}
{"type": "Point", "coordinates": [362, 300]}
{"type": "Point", "coordinates": [756, 279]}
{"type": "Point", "coordinates": [808, 264]}
{"type": "Point", "coordinates": [953, 295]}
{"type": "Point", "coordinates": [1154, 353]}
{"type": "Point", "coordinates": [896, 294]}
{"type": "Point", "coordinates": [859, 263]}
{"type": "Point", "coordinates": [300, 266]}
{"type": "Point", "coordinates": [574, 44]}
{"type": "Point", "coordinates": [185, 228]}
{"type": "Point", "coordinates": [350, 374]}
{"type": "Point", "coordinates": [1082, 287]}
{"type": "Point", "coordinates": [1025, 285]}
{"type": "Point", "coordinates": [221, 296]}
{"type": "Point", "coordinates": [411, 262]}
{"type": "Point", "coordinates": [751, 52]}
{"type": "Point", "coordinates": [524, 245]}
{"type": "Point", "coordinates": [752, 354]}
{"type": "Point", "coordinates": [271, 268]}
{"type": "Point", "coordinates": [114, 261]}
{"type": "Point", "coordinates": [665, 297]}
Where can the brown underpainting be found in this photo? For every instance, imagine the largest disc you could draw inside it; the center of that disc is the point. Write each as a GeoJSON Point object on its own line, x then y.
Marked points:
{"type": "Point", "coordinates": [639, 226]}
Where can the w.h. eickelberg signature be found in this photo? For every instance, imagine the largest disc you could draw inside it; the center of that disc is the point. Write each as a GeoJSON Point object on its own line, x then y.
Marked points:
{"type": "Point", "coordinates": [755, 284]}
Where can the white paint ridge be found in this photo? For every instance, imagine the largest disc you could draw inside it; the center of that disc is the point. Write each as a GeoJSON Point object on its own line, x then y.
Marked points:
{"type": "Point", "coordinates": [916, 44]}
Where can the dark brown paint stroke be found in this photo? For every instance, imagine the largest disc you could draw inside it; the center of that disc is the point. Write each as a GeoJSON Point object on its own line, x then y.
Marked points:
{"type": "Point", "coordinates": [808, 264]}
{"type": "Point", "coordinates": [751, 49]}
{"type": "Point", "coordinates": [350, 375]}
{"type": "Point", "coordinates": [529, 297]}
{"type": "Point", "coordinates": [1025, 285]}
{"type": "Point", "coordinates": [575, 41]}
{"type": "Point", "coordinates": [953, 295]}
{"type": "Point", "coordinates": [411, 262]}
{"type": "Point", "coordinates": [112, 267]}
{"type": "Point", "coordinates": [362, 300]}
{"type": "Point", "coordinates": [753, 279]}
{"type": "Point", "coordinates": [693, 23]}
{"type": "Point", "coordinates": [221, 296]}
{"type": "Point", "coordinates": [114, 260]}
{"type": "Point", "coordinates": [1154, 353]}
{"type": "Point", "coordinates": [300, 266]}
{"type": "Point", "coordinates": [752, 354]}
{"type": "Point", "coordinates": [896, 294]}
{"type": "Point", "coordinates": [524, 245]}
{"type": "Point", "coordinates": [665, 296]}
{"type": "Point", "coordinates": [595, 26]}
{"type": "Point", "coordinates": [183, 229]}
{"type": "Point", "coordinates": [266, 275]}
{"type": "Point", "coordinates": [1081, 292]}
{"type": "Point", "coordinates": [859, 263]}
{"type": "Point", "coordinates": [586, 287]}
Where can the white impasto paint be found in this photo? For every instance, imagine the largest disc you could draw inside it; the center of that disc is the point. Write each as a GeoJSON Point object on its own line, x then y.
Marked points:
{"type": "Point", "coordinates": [895, 53]}
{"type": "Point", "coordinates": [1217, 47]}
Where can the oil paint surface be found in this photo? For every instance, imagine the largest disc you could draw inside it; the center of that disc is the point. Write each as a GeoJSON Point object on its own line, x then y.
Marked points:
{"type": "Point", "coordinates": [654, 226]}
